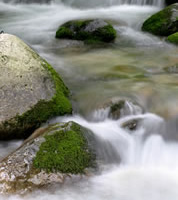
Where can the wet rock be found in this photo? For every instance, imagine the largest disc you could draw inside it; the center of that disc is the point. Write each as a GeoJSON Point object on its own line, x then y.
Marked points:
{"type": "Point", "coordinates": [91, 31]}
{"type": "Point", "coordinates": [131, 124]}
{"type": "Point", "coordinates": [30, 90]}
{"type": "Point", "coordinates": [143, 125]}
{"type": "Point", "coordinates": [169, 2]}
{"type": "Point", "coordinates": [173, 38]}
{"type": "Point", "coordinates": [163, 23]}
{"type": "Point", "coordinates": [117, 108]}
{"type": "Point", "coordinates": [49, 156]}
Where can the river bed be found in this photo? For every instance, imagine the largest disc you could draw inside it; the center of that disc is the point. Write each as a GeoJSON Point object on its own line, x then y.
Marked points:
{"type": "Point", "coordinates": [133, 67]}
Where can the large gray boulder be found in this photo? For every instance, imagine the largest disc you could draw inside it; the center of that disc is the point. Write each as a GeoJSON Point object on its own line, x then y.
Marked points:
{"type": "Point", "coordinates": [49, 156]}
{"type": "Point", "coordinates": [30, 90]}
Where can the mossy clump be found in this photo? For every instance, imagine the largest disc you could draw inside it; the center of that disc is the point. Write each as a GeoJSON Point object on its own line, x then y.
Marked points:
{"type": "Point", "coordinates": [164, 22]}
{"type": "Point", "coordinates": [90, 31]}
{"type": "Point", "coordinates": [64, 151]}
{"type": "Point", "coordinates": [173, 38]}
{"type": "Point", "coordinates": [21, 126]}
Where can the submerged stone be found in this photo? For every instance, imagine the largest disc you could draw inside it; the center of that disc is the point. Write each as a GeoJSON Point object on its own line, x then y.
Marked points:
{"type": "Point", "coordinates": [172, 69]}
{"type": "Point", "coordinates": [163, 23]}
{"type": "Point", "coordinates": [91, 31]}
{"type": "Point", "coordinates": [30, 89]}
{"type": "Point", "coordinates": [49, 156]}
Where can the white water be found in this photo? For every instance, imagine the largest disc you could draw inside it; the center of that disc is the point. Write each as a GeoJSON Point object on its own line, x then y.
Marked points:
{"type": "Point", "coordinates": [147, 169]}
{"type": "Point", "coordinates": [136, 165]}
{"type": "Point", "coordinates": [92, 3]}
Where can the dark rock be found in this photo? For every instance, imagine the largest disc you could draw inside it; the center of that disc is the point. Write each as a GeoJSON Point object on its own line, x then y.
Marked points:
{"type": "Point", "coordinates": [169, 2]}
{"type": "Point", "coordinates": [117, 108]}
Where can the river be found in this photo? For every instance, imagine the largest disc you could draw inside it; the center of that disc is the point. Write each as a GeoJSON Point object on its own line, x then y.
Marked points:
{"type": "Point", "coordinates": [141, 164]}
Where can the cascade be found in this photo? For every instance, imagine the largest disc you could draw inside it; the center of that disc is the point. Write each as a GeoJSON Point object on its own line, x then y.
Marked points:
{"type": "Point", "coordinates": [93, 3]}
{"type": "Point", "coordinates": [98, 3]}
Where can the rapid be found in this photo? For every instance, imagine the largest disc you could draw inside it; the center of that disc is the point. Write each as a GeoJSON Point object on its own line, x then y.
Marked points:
{"type": "Point", "coordinates": [139, 164]}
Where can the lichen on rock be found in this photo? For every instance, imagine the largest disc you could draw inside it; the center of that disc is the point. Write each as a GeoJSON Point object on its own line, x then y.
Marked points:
{"type": "Point", "coordinates": [31, 91]}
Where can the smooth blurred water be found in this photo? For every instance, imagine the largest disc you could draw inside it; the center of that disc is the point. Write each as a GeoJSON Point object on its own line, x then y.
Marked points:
{"type": "Point", "coordinates": [146, 160]}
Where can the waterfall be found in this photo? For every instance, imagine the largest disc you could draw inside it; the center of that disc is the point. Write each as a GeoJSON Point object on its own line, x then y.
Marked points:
{"type": "Point", "coordinates": [27, 1]}
{"type": "Point", "coordinates": [98, 3]}
{"type": "Point", "coordinates": [93, 3]}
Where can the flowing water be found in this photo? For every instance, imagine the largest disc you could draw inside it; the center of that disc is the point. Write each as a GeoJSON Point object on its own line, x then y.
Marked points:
{"type": "Point", "coordinates": [139, 164]}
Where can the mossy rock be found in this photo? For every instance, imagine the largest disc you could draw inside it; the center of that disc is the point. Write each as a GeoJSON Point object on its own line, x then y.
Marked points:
{"type": "Point", "coordinates": [90, 31]}
{"type": "Point", "coordinates": [49, 156]}
{"type": "Point", "coordinates": [173, 38]}
{"type": "Point", "coordinates": [31, 91]}
{"type": "Point", "coordinates": [163, 23]}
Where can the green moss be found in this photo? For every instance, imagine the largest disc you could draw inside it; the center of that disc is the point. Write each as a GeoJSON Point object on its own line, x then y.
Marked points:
{"type": "Point", "coordinates": [76, 30]}
{"type": "Point", "coordinates": [173, 38]}
{"type": "Point", "coordinates": [65, 151]}
{"type": "Point", "coordinates": [161, 23]}
{"type": "Point", "coordinates": [23, 125]}
{"type": "Point", "coordinates": [64, 32]}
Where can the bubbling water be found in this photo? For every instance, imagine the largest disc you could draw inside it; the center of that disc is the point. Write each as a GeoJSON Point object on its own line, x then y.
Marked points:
{"type": "Point", "coordinates": [136, 163]}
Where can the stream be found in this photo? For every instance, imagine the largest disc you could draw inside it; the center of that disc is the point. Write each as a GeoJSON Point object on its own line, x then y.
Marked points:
{"type": "Point", "coordinates": [139, 164]}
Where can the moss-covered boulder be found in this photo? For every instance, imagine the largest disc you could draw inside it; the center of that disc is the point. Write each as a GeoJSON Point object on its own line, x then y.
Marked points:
{"type": "Point", "coordinates": [95, 30]}
{"type": "Point", "coordinates": [173, 38]}
{"type": "Point", "coordinates": [30, 89]}
{"type": "Point", "coordinates": [163, 23]}
{"type": "Point", "coordinates": [49, 156]}
{"type": "Point", "coordinates": [169, 2]}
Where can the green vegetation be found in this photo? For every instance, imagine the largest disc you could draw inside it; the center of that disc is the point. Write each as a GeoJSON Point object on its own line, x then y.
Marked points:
{"type": "Point", "coordinates": [64, 151]}
{"type": "Point", "coordinates": [77, 30]}
{"type": "Point", "coordinates": [173, 38]}
{"type": "Point", "coordinates": [23, 125]}
{"type": "Point", "coordinates": [162, 23]}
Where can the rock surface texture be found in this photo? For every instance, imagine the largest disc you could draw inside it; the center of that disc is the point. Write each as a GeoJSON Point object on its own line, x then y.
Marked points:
{"type": "Point", "coordinates": [47, 157]}
{"type": "Point", "coordinates": [30, 90]}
